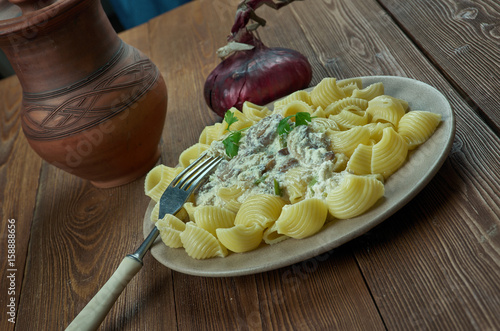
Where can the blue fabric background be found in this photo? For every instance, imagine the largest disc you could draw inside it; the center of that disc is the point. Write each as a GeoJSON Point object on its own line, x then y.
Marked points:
{"type": "Point", "coordinates": [135, 12]}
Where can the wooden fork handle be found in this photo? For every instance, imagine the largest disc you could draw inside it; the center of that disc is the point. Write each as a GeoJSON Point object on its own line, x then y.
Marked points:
{"type": "Point", "coordinates": [96, 310]}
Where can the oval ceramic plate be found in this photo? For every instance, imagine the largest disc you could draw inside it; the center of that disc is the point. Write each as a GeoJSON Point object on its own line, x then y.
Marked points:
{"type": "Point", "coordinates": [400, 188]}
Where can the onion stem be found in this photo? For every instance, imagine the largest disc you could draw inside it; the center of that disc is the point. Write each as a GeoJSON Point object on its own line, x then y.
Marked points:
{"type": "Point", "coordinates": [246, 12]}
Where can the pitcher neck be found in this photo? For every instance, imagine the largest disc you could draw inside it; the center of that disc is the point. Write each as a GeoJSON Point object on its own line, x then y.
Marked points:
{"type": "Point", "coordinates": [72, 40]}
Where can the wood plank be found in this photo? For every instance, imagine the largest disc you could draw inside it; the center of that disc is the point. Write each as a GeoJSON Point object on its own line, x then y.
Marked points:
{"type": "Point", "coordinates": [79, 236]}
{"type": "Point", "coordinates": [78, 240]}
{"type": "Point", "coordinates": [185, 47]}
{"type": "Point", "coordinates": [19, 173]}
{"type": "Point", "coordinates": [137, 37]}
{"type": "Point", "coordinates": [416, 285]}
{"type": "Point", "coordinates": [463, 39]}
{"type": "Point", "coordinates": [294, 297]}
{"type": "Point", "coordinates": [322, 293]}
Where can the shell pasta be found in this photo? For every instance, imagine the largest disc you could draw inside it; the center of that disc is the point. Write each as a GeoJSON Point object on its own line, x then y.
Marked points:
{"type": "Point", "coordinates": [241, 238]}
{"type": "Point", "coordinates": [318, 156]}
{"type": "Point", "coordinates": [389, 154]}
{"type": "Point", "coordinates": [354, 196]}
{"type": "Point", "coordinates": [261, 209]}
{"type": "Point", "coordinates": [326, 92]}
{"type": "Point", "coordinates": [417, 126]}
{"type": "Point", "coordinates": [200, 244]}
{"type": "Point", "coordinates": [170, 230]}
{"type": "Point", "coordinates": [158, 179]}
{"type": "Point", "coordinates": [302, 219]}
{"type": "Point", "coordinates": [212, 218]}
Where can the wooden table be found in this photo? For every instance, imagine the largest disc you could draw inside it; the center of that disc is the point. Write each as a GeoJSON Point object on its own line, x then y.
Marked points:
{"type": "Point", "coordinates": [434, 265]}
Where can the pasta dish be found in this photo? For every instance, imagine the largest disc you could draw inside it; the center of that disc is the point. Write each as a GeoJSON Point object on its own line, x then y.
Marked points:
{"type": "Point", "coordinates": [313, 158]}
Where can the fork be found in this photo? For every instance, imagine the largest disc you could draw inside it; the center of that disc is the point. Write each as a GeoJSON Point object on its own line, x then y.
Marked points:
{"type": "Point", "coordinates": [171, 201]}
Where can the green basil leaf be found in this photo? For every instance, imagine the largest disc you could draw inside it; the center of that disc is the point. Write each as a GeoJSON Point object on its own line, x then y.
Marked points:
{"type": "Point", "coordinates": [284, 126]}
{"type": "Point", "coordinates": [232, 143]}
{"type": "Point", "coordinates": [229, 118]}
{"type": "Point", "coordinates": [302, 118]}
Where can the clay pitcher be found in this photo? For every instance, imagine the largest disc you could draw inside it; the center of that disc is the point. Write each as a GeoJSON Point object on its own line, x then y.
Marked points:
{"type": "Point", "coordinates": [92, 105]}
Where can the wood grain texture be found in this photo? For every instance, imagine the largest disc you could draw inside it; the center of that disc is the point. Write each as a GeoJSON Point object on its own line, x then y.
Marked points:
{"type": "Point", "coordinates": [75, 246]}
{"type": "Point", "coordinates": [322, 293]}
{"type": "Point", "coordinates": [463, 39]}
{"type": "Point", "coordinates": [19, 175]}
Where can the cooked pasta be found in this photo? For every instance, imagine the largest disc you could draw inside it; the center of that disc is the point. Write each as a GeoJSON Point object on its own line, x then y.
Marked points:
{"type": "Point", "coordinates": [353, 196]}
{"type": "Point", "coordinates": [361, 160]}
{"type": "Point", "coordinates": [349, 89]}
{"type": "Point", "coordinates": [295, 184]}
{"type": "Point", "coordinates": [230, 196]}
{"type": "Point", "coordinates": [350, 81]}
{"type": "Point", "coordinates": [294, 107]}
{"type": "Point", "coordinates": [326, 92]}
{"type": "Point", "coordinates": [211, 218]}
{"type": "Point", "coordinates": [241, 238]}
{"type": "Point", "coordinates": [290, 175]}
{"type": "Point", "coordinates": [295, 96]}
{"type": "Point", "coordinates": [271, 235]}
{"type": "Point", "coordinates": [254, 112]}
{"type": "Point", "coordinates": [155, 213]}
{"type": "Point", "coordinates": [181, 214]}
{"type": "Point", "coordinates": [417, 126]}
{"type": "Point", "coordinates": [369, 92]}
{"type": "Point", "coordinates": [319, 124]}
{"type": "Point", "coordinates": [318, 113]}
{"type": "Point", "coordinates": [350, 117]}
{"type": "Point", "coordinates": [346, 141]}
{"type": "Point", "coordinates": [389, 153]}
{"type": "Point", "coordinates": [170, 228]}
{"type": "Point", "coordinates": [211, 133]}
{"type": "Point", "coordinates": [339, 162]}
{"type": "Point", "coordinates": [243, 121]}
{"type": "Point", "coordinates": [190, 208]}
{"type": "Point", "coordinates": [201, 244]}
{"type": "Point", "coordinates": [302, 219]}
{"type": "Point", "coordinates": [385, 109]}
{"type": "Point", "coordinates": [158, 179]}
{"type": "Point", "coordinates": [403, 103]}
{"type": "Point", "coordinates": [261, 209]}
{"type": "Point", "coordinates": [191, 154]}
{"type": "Point", "coordinates": [376, 130]}
{"type": "Point", "coordinates": [338, 106]}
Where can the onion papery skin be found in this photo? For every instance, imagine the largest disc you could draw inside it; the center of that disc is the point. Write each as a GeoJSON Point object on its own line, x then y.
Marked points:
{"type": "Point", "coordinates": [260, 75]}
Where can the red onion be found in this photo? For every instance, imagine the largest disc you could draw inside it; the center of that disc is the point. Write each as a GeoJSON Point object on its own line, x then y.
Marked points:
{"type": "Point", "coordinates": [256, 73]}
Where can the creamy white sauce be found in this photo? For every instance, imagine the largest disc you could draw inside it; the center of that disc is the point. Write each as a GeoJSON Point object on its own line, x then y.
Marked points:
{"type": "Point", "coordinates": [262, 160]}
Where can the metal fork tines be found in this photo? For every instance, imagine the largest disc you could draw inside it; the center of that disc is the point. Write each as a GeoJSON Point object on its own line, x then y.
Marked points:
{"type": "Point", "coordinates": [185, 183]}
{"type": "Point", "coordinates": [176, 194]}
